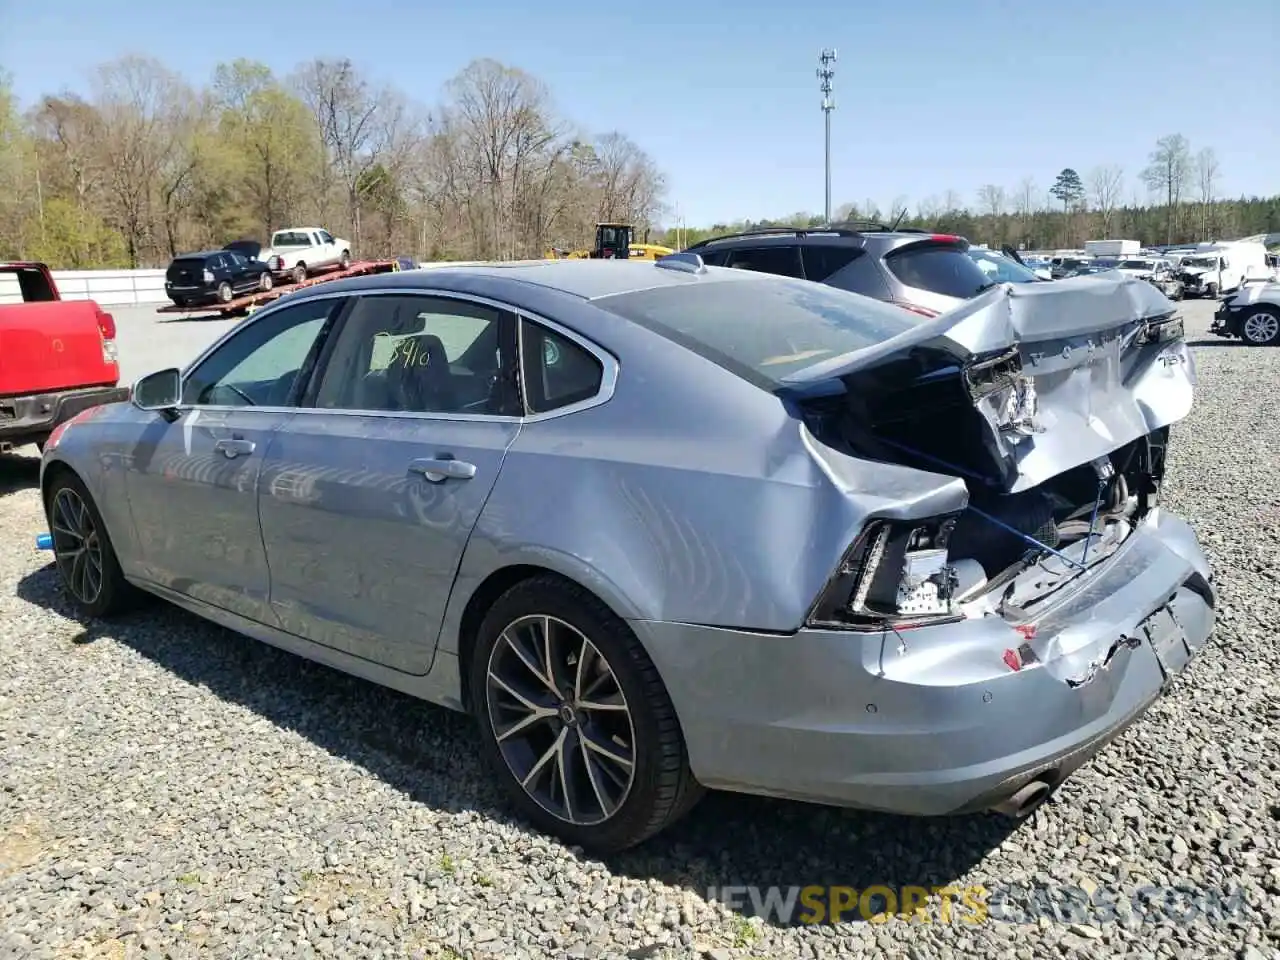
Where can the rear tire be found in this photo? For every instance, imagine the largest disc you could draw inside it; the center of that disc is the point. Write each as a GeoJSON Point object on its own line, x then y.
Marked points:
{"type": "Point", "coordinates": [264, 280]}
{"type": "Point", "coordinates": [300, 273]}
{"type": "Point", "coordinates": [225, 293]}
{"type": "Point", "coordinates": [621, 771]}
{"type": "Point", "coordinates": [83, 552]}
{"type": "Point", "coordinates": [1261, 326]}
{"type": "Point", "coordinates": [344, 262]}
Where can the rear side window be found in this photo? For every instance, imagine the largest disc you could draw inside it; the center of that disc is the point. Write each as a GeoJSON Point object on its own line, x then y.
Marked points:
{"type": "Point", "coordinates": [821, 262]}
{"type": "Point", "coordinates": [939, 269]}
{"type": "Point", "coordinates": [782, 260]}
{"type": "Point", "coordinates": [557, 371]}
{"type": "Point", "coordinates": [763, 329]}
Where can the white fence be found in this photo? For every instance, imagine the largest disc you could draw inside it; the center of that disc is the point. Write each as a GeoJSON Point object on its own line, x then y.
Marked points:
{"type": "Point", "coordinates": [107, 287]}
{"type": "Point", "coordinates": [117, 287]}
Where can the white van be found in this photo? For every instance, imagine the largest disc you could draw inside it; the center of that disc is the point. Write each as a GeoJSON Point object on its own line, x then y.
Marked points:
{"type": "Point", "coordinates": [1218, 268]}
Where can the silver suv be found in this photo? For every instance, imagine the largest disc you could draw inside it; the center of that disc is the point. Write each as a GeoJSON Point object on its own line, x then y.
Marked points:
{"type": "Point", "coordinates": [928, 273]}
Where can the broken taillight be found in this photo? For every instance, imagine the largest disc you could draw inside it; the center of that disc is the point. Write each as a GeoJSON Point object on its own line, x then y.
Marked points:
{"type": "Point", "coordinates": [897, 575]}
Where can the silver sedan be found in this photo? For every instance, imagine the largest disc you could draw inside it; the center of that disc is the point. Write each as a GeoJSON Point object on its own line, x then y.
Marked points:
{"type": "Point", "coordinates": [662, 527]}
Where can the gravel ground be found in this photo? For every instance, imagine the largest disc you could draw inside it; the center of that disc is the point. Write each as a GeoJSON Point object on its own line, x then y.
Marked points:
{"type": "Point", "coordinates": [169, 789]}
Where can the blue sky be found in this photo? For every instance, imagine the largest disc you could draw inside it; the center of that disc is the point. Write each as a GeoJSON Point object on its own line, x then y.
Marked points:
{"type": "Point", "coordinates": [931, 95]}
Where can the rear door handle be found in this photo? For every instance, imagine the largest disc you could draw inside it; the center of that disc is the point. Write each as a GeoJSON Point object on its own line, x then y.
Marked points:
{"type": "Point", "coordinates": [439, 469]}
{"type": "Point", "coordinates": [235, 447]}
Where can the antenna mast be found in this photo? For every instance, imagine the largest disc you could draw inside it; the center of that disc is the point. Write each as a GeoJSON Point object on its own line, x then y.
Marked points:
{"type": "Point", "coordinates": [825, 72]}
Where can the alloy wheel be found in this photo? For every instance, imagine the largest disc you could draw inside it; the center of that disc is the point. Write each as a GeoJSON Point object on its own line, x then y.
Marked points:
{"type": "Point", "coordinates": [1261, 327]}
{"type": "Point", "coordinates": [77, 546]}
{"type": "Point", "coordinates": [561, 720]}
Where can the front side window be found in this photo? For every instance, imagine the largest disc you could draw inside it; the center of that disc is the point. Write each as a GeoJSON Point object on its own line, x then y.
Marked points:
{"type": "Point", "coordinates": [557, 371]}
{"type": "Point", "coordinates": [417, 354]}
{"type": "Point", "coordinates": [258, 365]}
{"type": "Point", "coordinates": [325, 238]}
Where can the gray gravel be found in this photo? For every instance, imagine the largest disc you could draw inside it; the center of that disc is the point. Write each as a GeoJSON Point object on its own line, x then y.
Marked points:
{"type": "Point", "coordinates": [169, 789]}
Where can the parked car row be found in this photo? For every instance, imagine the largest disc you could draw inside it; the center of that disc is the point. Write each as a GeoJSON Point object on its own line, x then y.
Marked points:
{"type": "Point", "coordinates": [820, 514]}
{"type": "Point", "coordinates": [243, 266]}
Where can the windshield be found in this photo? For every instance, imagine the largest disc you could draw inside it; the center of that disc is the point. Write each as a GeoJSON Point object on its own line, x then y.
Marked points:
{"type": "Point", "coordinates": [1206, 262]}
{"type": "Point", "coordinates": [1104, 264]}
{"type": "Point", "coordinates": [1002, 269]}
{"type": "Point", "coordinates": [1136, 265]}
{"type": "Point", "coordinates": [766, 328]}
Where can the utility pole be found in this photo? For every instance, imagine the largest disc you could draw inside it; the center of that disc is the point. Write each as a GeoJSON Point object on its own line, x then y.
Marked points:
{"type": "Point", "coordinates": [825, 73]}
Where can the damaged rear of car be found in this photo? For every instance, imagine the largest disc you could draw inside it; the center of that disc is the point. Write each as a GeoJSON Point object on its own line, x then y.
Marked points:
{"type": "Point", "coordinates": [1027, 598]}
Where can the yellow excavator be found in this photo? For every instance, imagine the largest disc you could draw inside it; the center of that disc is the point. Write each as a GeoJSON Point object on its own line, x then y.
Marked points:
{"type": "Point", "coordinates": [613, 242]}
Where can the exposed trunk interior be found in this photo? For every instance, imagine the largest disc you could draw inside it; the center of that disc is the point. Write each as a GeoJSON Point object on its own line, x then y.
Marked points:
{"type": "Point", "coordinates": [930, 409]}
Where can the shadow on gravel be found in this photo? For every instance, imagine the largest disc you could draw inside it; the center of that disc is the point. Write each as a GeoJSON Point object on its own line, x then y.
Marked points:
{"type": "Point", "coordinates": [428, 753]}
{"type": "Point", "coordinates": [1217, 342]}
{"type": "Point", "coordinates": [18, 473]}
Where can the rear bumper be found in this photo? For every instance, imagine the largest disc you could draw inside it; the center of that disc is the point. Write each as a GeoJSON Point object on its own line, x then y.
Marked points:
{"type": "Point", "coordinates": [31, 418]}
{"type": "Point", "coordinates": [190, 295]}
{"type": "Point", "coordinates": [936, 722]}
{"type": "Point", "coordinates": [1226, 322]}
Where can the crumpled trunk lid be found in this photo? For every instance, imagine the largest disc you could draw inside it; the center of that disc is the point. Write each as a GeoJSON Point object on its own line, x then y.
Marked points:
{"type": "Point", "coordinates": [1019, 384]}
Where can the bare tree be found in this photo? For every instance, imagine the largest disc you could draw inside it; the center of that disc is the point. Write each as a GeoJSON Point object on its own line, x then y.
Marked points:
{"type": "Point", "coordinates": [1206, 166]}
{"type": "Point", "coordinates": [991, 199]}
{"type": "Point", "coordinates": [1167, 174]}
{"type": "Point", "coordinates": [929, 209]}
{"type": "Point", "coordinates": [898, 207]}
{"type": "Point", "coordinates": [952, 203]}
{"type": "Point", "coordinates": [1106, 184]}
{"type": "Point", "coordinates": [357, 125]}
{"type": "Point", "coordinates": [141, 104]}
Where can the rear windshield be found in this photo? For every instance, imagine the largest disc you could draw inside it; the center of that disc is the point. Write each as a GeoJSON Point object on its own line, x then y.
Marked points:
{"type": "Point", "coordinates": [763, 330]}
{"type": "Point", "coordinates": [291, 238]}
{"type": "Point", "coordinates": [945, 270]}
{"type": "Point", "coordinates": [188, 263]}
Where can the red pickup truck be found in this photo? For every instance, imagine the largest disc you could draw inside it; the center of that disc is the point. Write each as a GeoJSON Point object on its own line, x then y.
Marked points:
{"type": "Point", "coordinates": [57, 357]}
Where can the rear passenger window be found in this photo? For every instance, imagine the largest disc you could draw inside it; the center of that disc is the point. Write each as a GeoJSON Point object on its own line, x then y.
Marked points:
{"type": "Point", "coordinates": [945, 270]}
{"type": "Point", "coordinates": [415, 354]}
{"type": "Point", "coordinates": [782, 260]}
{"type": "Point", "coordinates": [557, 371]}
{"type": "Point", "coordinates": [821, 262]}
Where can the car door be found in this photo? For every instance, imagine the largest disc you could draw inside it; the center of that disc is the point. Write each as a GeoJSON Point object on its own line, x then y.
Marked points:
{"type": "Point", "coordinates": [371, 492]}
{"type": "Point", "coordinates": [192, 480]}
{"type": "Point", "coordinates": [329, 249]}
{"type": "Point", "coordinates": [243, 278]}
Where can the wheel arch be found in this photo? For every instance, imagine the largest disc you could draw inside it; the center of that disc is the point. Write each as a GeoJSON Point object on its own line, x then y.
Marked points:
{"type": "Point", "coordinates": [486, 594]}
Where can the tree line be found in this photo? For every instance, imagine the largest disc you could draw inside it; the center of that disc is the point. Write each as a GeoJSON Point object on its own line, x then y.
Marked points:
{"type": "Point", "coordinates": [1172, 199]}
{"type": "Point", "coordinates": [146, 166]}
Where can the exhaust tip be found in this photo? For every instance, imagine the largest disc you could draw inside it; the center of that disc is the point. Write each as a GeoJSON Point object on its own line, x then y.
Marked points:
{"type": "Point", "coordinates": [1025, 801]}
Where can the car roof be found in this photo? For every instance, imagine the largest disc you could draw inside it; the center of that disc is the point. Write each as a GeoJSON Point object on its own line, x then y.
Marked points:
{"type": "Point", "coordinates": [587, 279]}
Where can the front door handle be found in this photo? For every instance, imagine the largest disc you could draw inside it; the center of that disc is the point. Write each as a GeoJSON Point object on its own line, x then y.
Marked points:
{"type": "Point", "coordinates": [439, 469]}
{"type": "Point", "coordinates": [234, 447]}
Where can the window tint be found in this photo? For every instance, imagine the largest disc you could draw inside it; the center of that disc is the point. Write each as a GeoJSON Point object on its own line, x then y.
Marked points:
{"type": "Point", "coordinates": [821, 262]}
{"type": "Point", "coordinates": [782, 260]}
{"type": "Point", "coordinates": [763, 329]}
{"type": "Point", "coordinates": [557, 371]}
{"type": "Point", "coordinates": [236, 259]}
{"type": "Point", "coordinates": [415, 354]}
{"type": "Point", "coordinates": [259, 364]}
{"type": "Point", "coordinates": [945, 270]}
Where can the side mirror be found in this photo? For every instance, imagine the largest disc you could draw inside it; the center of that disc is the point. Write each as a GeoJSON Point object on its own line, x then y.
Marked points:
{"type": "Point", "coordinates": [158, 392]}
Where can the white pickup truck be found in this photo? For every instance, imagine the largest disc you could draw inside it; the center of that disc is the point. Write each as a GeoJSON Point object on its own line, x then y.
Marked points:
{"type": "Point", "coordinates": [297, 252]}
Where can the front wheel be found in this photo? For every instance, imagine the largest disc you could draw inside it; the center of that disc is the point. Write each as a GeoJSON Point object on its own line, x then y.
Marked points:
{"type": "Point", "coordinates": [1211, 291]}
{"type": "Point", "coordinates": [1261, 327]}
{"type": "Point", "coordinates": [82, 550]}
{"type": "Point", "coordinates": [574, 719]}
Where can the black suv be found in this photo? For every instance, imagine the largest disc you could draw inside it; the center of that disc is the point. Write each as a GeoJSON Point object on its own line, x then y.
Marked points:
{"type": "Point", "coordinates": [927, 273]}
{"type": "Point", "coordinates": [214, 276]}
